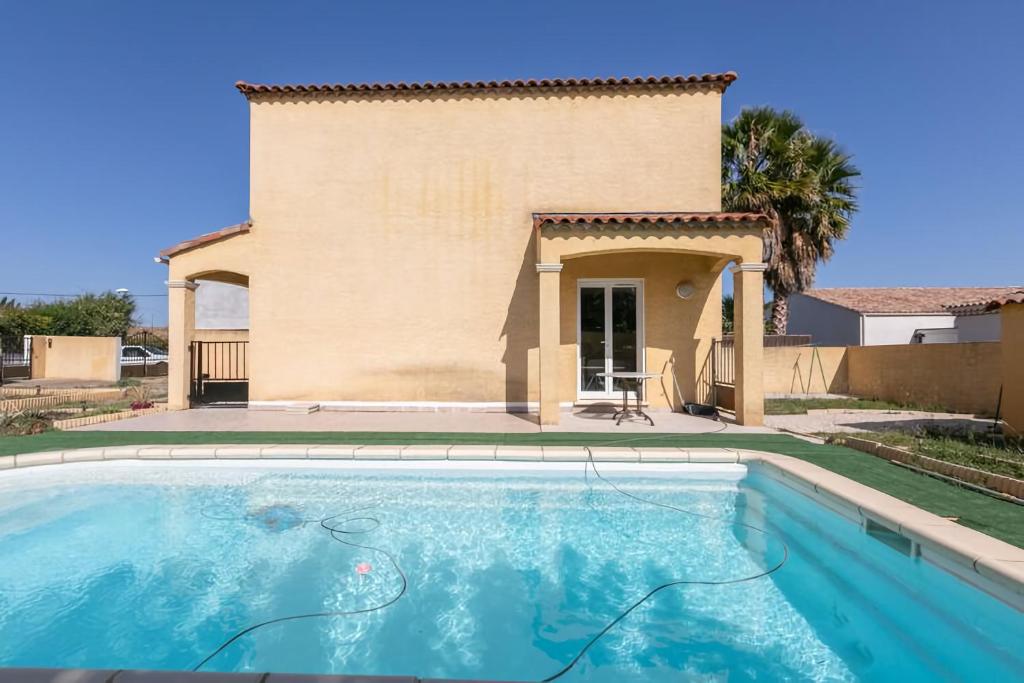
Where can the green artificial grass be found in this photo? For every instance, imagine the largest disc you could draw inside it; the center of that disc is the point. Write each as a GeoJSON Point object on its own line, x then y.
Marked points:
{"type": "Point", "coordinates": [997, 518]}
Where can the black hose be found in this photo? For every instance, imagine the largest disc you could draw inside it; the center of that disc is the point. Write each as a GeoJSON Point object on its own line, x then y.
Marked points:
{"type": "Point", "coordinates": [336, 530]}
{"type": "Point", "coordinates": [679, 582]}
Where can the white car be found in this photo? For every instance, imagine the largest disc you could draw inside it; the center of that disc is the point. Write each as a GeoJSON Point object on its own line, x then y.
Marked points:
{"type": "Point", "coordinates": [142, 355]}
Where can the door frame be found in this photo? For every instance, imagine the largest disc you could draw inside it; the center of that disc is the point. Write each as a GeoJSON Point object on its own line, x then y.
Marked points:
{"type": "Point", "coordinates": [641, 347]}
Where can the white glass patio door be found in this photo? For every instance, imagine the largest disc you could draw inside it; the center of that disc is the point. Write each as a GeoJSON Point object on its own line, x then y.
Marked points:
{"type": "Point", "coordinates": [609, 334]}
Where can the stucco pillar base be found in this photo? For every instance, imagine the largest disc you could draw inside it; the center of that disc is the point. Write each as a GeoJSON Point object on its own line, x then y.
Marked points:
{"type": "Point", "coordinates": [181, 326]}
{"type": "Point", "coordinates": [748, 316]}
{"type": "Point", "coordinates": [549, 274]}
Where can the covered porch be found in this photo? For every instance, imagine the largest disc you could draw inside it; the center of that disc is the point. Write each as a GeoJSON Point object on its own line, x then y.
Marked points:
{"type": "Point", "coordinates": [641, 292]}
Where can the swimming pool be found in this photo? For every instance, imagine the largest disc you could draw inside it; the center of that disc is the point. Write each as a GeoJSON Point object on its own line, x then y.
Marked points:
{"type": "Point", "coordinates": [506, 573]}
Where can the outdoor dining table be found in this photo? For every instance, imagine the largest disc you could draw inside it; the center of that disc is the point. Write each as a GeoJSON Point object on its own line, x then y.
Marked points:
{"type": "Point", "coordinates": [637, 379]}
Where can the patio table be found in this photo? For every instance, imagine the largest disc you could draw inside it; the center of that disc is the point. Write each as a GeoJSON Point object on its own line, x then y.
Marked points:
{"type": "Point", "coordinates": [638, 379]}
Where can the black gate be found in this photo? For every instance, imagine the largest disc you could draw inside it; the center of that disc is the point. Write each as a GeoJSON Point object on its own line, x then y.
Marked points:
{"type": "Point", "coordinates": [219, 373]}
{"type": "Point", "coordinates": [15, 358]}
{"type": "Point", "coordinates": [723, 372]}
{"type": "Point", "coordinates": [144, 354]}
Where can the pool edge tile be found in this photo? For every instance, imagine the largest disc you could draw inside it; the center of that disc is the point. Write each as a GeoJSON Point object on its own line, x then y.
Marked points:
{"type": "Point", "coordinates": [1007, 573]}
{"type": "Point", "coordinates": [122, 452]}
{"type": "Point", "coordinates": [615, 454]}
{"type": "Point", "coordinates": [328, 452]}
{"type": "Point", "coordinates": [564, 454]}
{"type": "Point", "coordinates": [238, 452]}
{"type": "Point", "coordinates": [151, 453]}
{"type": "Point", "coordinates": [471, 452]}
{"type": "Point", "coordinates": [378, 452]}
{"type": "Point", "coordinates": [193, 453]}
{"type": "Point", "coordinates": [714, 455]}
{"type": "Point", "coordinates": [83, 455]}
{"type": "Point", "coordinates": [664, 454]}
{"type": "Point", "coordinates": [526, 453]}
{"type": "Point", "coordinates": [38, 458]}
{"type": "Point", "coordinates": [424, 452]}
{"type": "Point", "coordinates": [285, 452]}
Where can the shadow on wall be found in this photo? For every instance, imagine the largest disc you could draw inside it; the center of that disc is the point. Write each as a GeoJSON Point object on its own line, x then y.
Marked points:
{"type": "Point", "coordinates": [806, 370]}
{"type": "Point", "coordinates": [705, 385]}
{"type": "Point", "coordinates": [520, 329]}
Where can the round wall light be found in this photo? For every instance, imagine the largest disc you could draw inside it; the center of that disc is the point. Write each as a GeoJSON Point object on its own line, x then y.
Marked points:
{"type": "Point", "coordinates": [685, 289]}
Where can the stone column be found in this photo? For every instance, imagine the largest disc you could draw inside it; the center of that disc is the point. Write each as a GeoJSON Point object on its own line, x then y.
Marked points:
{"type": "Point", "coordinates": [550, 324]}
{"type": "Point", "coordinates": [748, 320]}
{"type": "Point", "coordinates": [181, 327]}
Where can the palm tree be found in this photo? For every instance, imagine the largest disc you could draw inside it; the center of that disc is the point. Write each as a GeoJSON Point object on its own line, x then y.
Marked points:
{"type": "Point", "coordinates": [772, 164]}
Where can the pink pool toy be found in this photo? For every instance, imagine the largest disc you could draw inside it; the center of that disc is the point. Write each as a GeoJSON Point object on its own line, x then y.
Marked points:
{"type": "Point", "coordinates": [364, 568]}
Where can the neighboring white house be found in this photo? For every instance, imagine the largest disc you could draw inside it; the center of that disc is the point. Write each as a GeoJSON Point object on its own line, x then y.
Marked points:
{"type": "Point", "coordinates": [974, 323]}
{"type": "Point", "coordinates": [872, 316]}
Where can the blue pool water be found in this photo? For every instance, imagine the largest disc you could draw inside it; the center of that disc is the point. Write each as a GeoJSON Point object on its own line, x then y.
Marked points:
{"type": "Point", "coordinates": [508, 576]}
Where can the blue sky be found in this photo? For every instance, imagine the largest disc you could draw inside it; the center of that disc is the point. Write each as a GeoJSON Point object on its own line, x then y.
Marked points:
{"type": "Point", "coordinates": [121, 133]}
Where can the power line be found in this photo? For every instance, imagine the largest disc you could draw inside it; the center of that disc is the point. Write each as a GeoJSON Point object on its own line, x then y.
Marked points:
{"type": "Point", "coordinates": [64, 295]}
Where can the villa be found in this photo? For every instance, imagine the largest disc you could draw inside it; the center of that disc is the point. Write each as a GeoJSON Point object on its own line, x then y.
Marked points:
{"type": "Point", "coordinates": [488, 245]}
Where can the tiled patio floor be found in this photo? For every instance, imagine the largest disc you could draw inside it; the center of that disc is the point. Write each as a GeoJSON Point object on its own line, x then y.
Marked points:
{"type": "Point", "coordinates": [242, 420]}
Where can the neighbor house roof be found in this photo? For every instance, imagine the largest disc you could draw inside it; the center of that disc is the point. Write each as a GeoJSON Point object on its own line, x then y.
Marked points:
{"type": "Point", "coordinates": [648, 217]}
{"type": "Point", "coordinates": [905, 300]}
{"type": "Point", "coordinates": [214, 236]}
{"type": "Point", "coordinates": [1016, 297]}
{"type": "Point", "coordinates": [721, 80]}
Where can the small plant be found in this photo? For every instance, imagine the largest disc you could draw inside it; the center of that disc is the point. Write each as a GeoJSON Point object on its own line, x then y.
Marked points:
{"type": "Point", "coordinates": [22, 423]}
{"type": "Point", "coordinates": [141, 395]}
{"type": "Point", "coordinates": [128, 382]}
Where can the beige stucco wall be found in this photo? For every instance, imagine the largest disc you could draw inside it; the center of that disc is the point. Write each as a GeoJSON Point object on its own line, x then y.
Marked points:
{"type": "Point", "coordinates": [85, 358]}
{"type": "Point", "coordinates": [959, 377]}
{"type": "Point", "coordinates": [392, 251]}
{"type": "Point", "coordinates": [806, 370]}
{"type": "Point", "coordinates": [215, 335]}
{"type": "Point", "coordinates": [1013, 366]}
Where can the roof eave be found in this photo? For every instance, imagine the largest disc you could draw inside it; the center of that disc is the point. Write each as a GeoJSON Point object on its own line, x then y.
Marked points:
{"type": "Point", "coordinates": [696, 218]}
{"type": "Point", "coordinates": [721, 80]}
{"type": "Point", "coordinates": [203, 240]}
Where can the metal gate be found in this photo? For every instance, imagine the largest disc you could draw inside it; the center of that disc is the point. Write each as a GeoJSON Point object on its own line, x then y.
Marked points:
{"type": "Point", "coordinates": [144, 354]}
{"type": "Point", "coordinates": [15, 358]}
{"type": "Point", "coordinates": [723, 373]}
{"type": "Point", "coordinates": [219, 373]}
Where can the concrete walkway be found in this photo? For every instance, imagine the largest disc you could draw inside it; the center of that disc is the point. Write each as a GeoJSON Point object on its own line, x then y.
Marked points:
{"type": "Point", "coordinates": [243, 420]}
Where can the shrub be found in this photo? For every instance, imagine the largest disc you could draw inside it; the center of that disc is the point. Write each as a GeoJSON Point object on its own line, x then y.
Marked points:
{"type": "Point", "coordinates": [90, 315]}
{"type": "Point", "coordinates": [15, 323]}
{"type": "Point", "coordinates": [23, 423]}
{"type": "Point", "coordinates": [140, 395]}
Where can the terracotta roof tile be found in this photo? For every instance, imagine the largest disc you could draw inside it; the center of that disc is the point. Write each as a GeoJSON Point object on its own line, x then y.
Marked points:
{"type": "Point", "coordinates": [223, 233]}
{"type": "Point", "coordinates": [646, 217]}
{"type": "Point", "coordinates": [720, 79]}
{"type": "Point", "coordinates": [906, 300]}
{"type": "Point", "coordinates": [1016, 297]}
